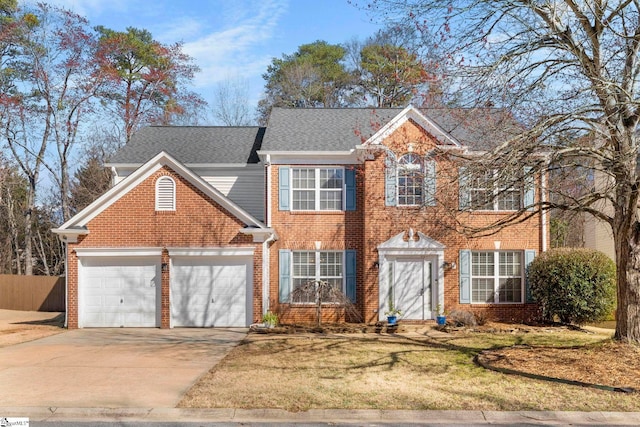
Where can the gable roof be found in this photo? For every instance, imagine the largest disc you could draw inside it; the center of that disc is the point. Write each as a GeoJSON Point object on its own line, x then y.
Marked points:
{"type": "Point", "coordinates": [193, 144]}
{"type": "Point", "coordinates": [412, 113]}
{"type": "Point", "coordinates": [77, 224]}
{"type": "Point", "coordinates": [342, 129]}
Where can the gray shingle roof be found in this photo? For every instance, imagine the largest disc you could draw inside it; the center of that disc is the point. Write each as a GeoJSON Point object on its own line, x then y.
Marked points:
{"type": "Point", "coordinates": [339, 129]}
{"type": "Point", "coordinates": [342, 129]}
{"type": "Point", "coordinates": [193, 144]}
{"type": "Point", "coordinates": [323, 129]}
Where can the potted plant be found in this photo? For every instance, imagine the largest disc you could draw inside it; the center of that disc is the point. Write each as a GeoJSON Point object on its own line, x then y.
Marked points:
{"type": "Point", "coordinates": [441, 319]}
{"type": "Point", "coordinates": [270, 319]}
{"type": "Point", "coordinates": [392, 314]}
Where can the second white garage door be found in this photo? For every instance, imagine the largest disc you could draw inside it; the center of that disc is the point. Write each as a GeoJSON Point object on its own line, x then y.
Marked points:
{"type": "Point", "coordinates": [211, 291]}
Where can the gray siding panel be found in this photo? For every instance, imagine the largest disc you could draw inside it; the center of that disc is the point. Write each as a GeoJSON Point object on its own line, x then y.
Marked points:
{"type": "Point", "coordinates": [243, 186]}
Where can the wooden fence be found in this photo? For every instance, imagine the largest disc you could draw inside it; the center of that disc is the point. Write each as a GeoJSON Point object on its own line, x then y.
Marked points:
{"type": "Point", "coordinates": [31, 293]}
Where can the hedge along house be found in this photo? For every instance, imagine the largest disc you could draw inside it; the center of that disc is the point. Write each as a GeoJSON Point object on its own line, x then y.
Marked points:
{"type": "Point", "coordinates": [230, 223]}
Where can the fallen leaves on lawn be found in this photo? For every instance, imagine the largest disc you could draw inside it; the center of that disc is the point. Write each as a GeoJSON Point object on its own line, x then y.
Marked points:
{"type": "Point", "coordinates": [611, 364]}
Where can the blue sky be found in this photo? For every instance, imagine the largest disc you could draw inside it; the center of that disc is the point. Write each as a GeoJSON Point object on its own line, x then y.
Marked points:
{"type": "Point", "coordinates": [231, 39]}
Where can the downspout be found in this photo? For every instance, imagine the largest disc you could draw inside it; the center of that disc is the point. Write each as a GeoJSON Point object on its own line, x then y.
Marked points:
{"type": "Point", "coordinates": [66, 281]}
{"type": "Point", "coordinates": [266, 271]}
{"type": "Point", "coordinates": [543, 213]}
{"type": "Point", "coordinates": [265, 245]}
{"type": "Point", "coordinates": [64, 241]}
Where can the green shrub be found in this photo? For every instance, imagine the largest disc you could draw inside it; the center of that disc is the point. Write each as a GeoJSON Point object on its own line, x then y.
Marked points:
{"type": "Point", "coordinates": [573, 285]}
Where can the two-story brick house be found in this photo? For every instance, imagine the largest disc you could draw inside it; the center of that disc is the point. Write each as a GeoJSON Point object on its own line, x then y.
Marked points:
{"type": "Point", "coordinates": [214, 226]}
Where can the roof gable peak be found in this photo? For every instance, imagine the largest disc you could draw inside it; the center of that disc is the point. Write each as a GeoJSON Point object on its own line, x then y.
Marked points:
{"type": "Point", "coordinates": [412, 113]}
{"type": "Point", "coordinates": [162, 159]}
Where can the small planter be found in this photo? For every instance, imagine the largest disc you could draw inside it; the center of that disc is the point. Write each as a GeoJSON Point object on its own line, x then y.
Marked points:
{"type": "Point", "coordinates": [441, 320]}
{"type": "Point", "coordinates": [392, 320]}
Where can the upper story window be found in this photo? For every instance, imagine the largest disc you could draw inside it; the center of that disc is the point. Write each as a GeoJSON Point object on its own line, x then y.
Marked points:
{"type": "Point", "coordinates": [316, 189]}
{"type": "Point", "coordinates": [165, 194]}
{"type": "Point", "coordinates": [487, 194]}
{"type": "Point", "coordinates": [483, 191]}
{"type": "Point", "coordinates": [410, 180]}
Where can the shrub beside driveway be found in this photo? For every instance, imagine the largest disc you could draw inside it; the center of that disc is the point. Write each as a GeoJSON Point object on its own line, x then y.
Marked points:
{"type": "Point", "coordinates": [414, 370]}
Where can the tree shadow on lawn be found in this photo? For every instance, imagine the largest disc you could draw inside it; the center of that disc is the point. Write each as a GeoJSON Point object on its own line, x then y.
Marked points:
{"type": "Point", "coordinates": [480, 357]}
{"type": "Point", "coordinates": [483, 358]}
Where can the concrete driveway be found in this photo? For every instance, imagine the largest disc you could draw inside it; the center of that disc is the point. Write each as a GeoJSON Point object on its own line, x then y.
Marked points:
{"type": "Point", "coordinates": [111, 368]}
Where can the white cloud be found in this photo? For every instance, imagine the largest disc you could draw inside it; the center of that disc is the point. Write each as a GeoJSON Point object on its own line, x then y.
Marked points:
{"type": "Point", "coordinates": [232, 51]}
{"type": "Point", "coordinates": [90, 7]}
{"type": "Point", "coordinates": [227, 39]}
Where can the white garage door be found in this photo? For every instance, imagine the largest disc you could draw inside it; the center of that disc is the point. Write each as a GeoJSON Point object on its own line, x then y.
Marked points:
{"type": "Point", "coordinates": [211, 291]}
{"type": "Point", "coordinates": [119, 291]}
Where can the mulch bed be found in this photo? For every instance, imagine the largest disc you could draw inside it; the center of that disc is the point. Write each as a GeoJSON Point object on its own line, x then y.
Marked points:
{"type": "Point", "coordinates": [610, 364]}
{"type": "Point", "coordinates": [332, 328]}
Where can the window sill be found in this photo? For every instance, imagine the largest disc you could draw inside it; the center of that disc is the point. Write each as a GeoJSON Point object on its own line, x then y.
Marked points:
{"type": "Point", "coordinates": [496, 303]}
{"type": "Point", "coordinates": [317, 212]}
{"type": "Point", "coordinates": [310, 304]}
{"type": "Point", "coordinates": [492, 212]}
{"type": "Point", "coordinates": [416, 207]}
{"type": "Point", "coordinates": [173, 212]}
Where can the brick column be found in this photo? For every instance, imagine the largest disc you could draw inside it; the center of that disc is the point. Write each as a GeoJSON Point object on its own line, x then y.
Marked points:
{"type": "Point", "coordinates": [165, 307]}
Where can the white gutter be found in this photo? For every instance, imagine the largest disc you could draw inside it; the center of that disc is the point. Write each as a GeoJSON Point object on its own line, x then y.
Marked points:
{"type": "Point", "coordinates": [267, 154]}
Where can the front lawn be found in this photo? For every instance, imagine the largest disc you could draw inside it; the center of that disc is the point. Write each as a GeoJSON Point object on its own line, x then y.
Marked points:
{"type": "Point", "coordinates": [419, 369]}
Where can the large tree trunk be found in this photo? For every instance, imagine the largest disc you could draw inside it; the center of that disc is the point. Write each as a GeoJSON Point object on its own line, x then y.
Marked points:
{"type": "Point", "coordinates": [65, 189]}
{"type": "Point", "coordinates": [628, 311]}
{"type": "Point", "coordinates": [28, 230]}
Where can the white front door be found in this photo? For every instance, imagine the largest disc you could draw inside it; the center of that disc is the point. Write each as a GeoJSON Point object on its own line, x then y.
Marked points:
{"type": "Point", "coordinates": [411, 291]}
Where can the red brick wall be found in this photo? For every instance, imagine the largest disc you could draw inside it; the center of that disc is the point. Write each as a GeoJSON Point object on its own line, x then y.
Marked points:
{"type": "Point", "coordinates": [300, 231]}
{"type": "Point", "coordinates": [132, 221]}
{"type": "Point", "coordinates": [374, 223]}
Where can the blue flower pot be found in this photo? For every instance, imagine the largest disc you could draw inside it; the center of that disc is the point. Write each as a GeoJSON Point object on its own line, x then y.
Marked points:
{"type": "Point", "coordinates": [441, 320]}
{"type": "Point", "coordinates": [392, 320]}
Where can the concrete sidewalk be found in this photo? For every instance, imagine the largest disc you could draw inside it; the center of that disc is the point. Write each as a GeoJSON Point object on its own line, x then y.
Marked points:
{"type": "Point", "coordinates": [40, 414]}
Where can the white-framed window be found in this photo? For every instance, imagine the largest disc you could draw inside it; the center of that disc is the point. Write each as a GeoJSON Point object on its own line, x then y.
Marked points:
{"type": "Point", "coordinates": [317, 189]}
{"type": "Point", "coordinates": [497, 277]}
{"type": "Point", "coordinates": [310, 267]}
{"type": "Point", "coordinates": [165, 194]}
{"type": "Point", "coordinates": [410, 180]}
{"type": "Point", "coordinates": [486, 194]}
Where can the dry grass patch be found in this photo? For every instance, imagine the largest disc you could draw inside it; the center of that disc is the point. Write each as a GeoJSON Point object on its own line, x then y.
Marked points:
{"type": "Point", "coordinates": [429, 370]}
{"type": "Point", "coordinates": [21, 326]}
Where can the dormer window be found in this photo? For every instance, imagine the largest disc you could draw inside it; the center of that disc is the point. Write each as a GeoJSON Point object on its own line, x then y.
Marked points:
{"type": "Point", "coordinates": [165, 194]}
